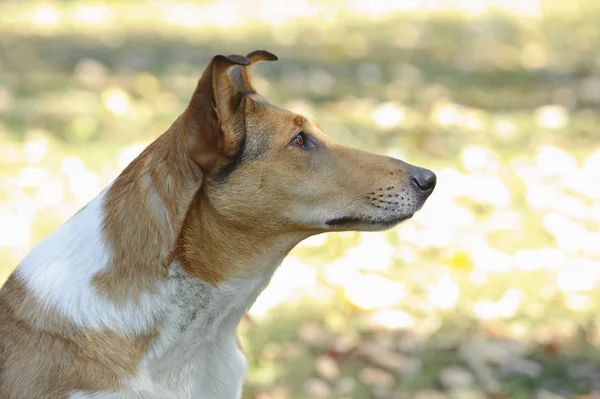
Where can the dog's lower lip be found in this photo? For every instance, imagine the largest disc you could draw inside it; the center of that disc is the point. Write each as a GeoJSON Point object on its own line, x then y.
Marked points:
{"type": "Point", "coordinates": [354, 220]}
{"type": "Point", "coordinates": [397, 220]}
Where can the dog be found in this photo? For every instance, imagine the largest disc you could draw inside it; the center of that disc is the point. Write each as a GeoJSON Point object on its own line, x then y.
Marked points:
{"type": "Point", "coordinates": [139, 294]}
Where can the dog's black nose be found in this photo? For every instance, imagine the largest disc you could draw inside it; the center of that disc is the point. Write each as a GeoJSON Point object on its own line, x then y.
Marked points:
{"type": "Point", "coordinates": [424, 179]}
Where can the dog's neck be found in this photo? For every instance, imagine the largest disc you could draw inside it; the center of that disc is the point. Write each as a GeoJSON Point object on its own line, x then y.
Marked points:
{"type": "Point", "coordinates": [219, 269]}
{"type": "Point", "coordinates": [144, 209]}
{"type": "Point", "coordinates": [217, 249]}
{"type": "Point", "coordinates": [228, 262]}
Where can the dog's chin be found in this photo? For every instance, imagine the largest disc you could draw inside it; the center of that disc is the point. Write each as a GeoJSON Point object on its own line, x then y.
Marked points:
{"type": "Point", "coordinates": [365, 224]}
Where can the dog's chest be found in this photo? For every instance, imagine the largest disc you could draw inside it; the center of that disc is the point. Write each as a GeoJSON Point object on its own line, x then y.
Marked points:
{"type": "Point", "coordinates": [195, 353]}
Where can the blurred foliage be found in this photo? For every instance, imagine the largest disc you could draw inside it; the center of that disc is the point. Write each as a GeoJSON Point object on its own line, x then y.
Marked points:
{"type": "Point", "coordinates": [490, 292]}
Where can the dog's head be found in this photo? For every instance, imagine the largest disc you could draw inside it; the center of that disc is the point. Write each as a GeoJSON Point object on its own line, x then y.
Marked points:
{"type": "Point", "coordinates": [269, 168]}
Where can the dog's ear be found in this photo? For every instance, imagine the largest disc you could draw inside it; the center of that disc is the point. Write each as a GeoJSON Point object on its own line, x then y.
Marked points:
{"type": "Point", "coordinates": [210, 121]}
{"type": "Point", "coordinates": [240, 75]}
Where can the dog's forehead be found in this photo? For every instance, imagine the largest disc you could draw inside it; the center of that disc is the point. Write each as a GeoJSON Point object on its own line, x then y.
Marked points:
{"type": "Point", "coordinates": [314, 125]}
{"type": "Point", "coordinates": [266, 116]}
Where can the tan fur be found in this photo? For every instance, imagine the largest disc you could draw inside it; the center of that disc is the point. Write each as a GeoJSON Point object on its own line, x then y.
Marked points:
{"type": "Point", "coordinates": [155, 188]}
{"type": "Point", "coordinates": [218, 250]}
{"type": "Point", "coordinates": [54, 356]}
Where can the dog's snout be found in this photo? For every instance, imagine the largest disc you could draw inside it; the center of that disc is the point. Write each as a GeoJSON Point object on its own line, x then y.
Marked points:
{"type": "Point", "coordinates": [424, 179]}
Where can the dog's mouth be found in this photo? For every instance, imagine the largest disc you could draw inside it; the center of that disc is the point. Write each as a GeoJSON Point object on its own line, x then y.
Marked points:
{"type": "Point", "coordinates": [375, 222]}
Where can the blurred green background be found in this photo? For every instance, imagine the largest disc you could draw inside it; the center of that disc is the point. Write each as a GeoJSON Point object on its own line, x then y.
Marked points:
{"type": "Point", "coordinates": [491, 291]}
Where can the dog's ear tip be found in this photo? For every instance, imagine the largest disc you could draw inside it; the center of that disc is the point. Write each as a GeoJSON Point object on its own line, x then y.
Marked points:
{"type": "Point", "coordinates": [234, 59]}
{"type": "Point", "coordinates": [262, 55]}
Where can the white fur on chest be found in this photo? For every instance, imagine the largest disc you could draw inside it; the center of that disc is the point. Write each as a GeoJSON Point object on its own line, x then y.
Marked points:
{"type": "Point", "coordinates": [195, 355]}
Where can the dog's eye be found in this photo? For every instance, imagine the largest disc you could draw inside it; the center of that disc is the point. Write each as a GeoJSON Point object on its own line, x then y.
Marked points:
{"type": "Point", "coordinates": [300, 140]}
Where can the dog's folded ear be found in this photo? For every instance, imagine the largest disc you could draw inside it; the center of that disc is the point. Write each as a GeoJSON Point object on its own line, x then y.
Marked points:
{"type": "Point", "coordinates": [211, 121]}
{"type": "Point", "coordinates": [240, 74]}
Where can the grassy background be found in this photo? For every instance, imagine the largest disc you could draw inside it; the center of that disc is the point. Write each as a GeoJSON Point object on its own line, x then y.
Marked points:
{"type": "Point", "coordinates": [489, 292]}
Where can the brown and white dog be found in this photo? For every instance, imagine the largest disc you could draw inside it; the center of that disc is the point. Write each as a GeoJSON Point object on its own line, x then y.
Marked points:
{"type": "Point", "coordinates": [139, 294]}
